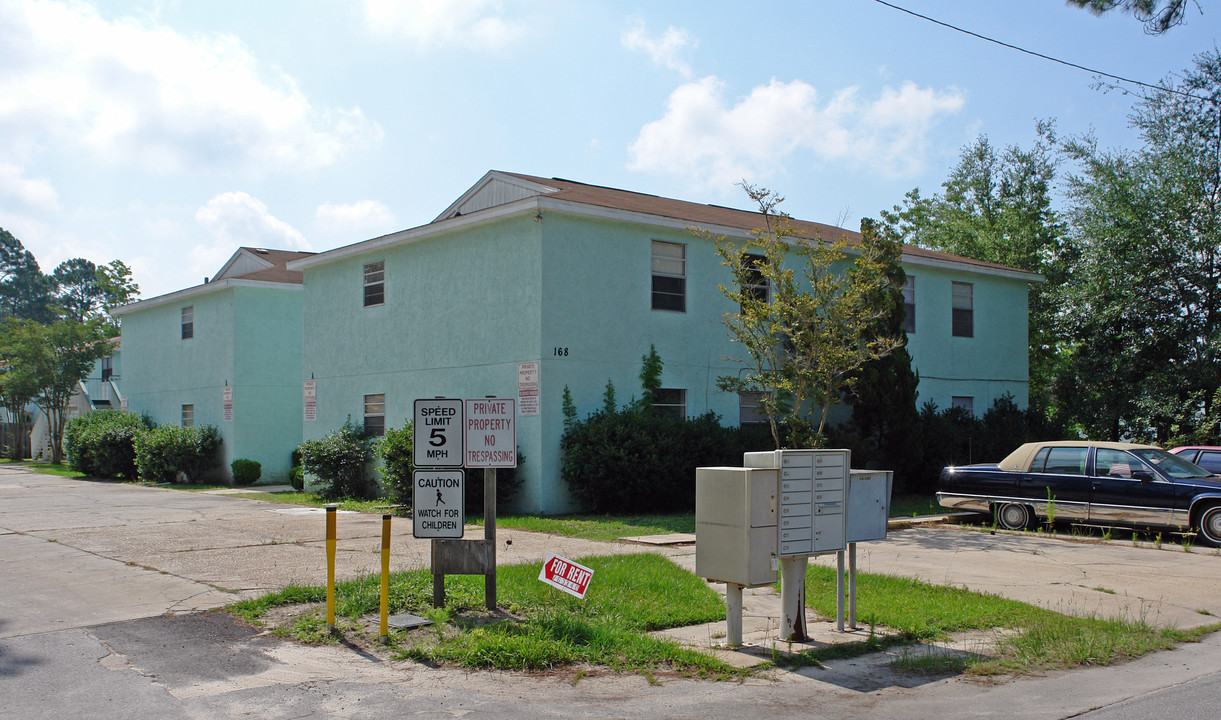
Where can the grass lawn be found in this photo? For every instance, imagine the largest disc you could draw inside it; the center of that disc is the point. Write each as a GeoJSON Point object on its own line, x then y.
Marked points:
{"type": "Point", "coordinates": [541, 628]}
{"type": "Point", "coordinates": [50, 469]}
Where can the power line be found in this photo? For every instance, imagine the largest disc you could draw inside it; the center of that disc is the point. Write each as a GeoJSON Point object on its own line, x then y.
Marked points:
{"type": "Point", "coordinates": [1120, 78]}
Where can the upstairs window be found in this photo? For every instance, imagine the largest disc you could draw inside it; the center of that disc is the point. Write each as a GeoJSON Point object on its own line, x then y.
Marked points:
{"type": "Point", "coordinates": [375, 415]}
{"type": "Point", "coordinates": [669, 276]}
{"type": "Point", "coordinates": [188, 416]}
{"type": "Point", "coordinates": [671, 402]}
{"type": "Point", "coordinates": [188, 322]}
{"type": "Point", "coordinates": [754, 284]}
{"type": "Point", "coordinates": [375, 283]}
{"type": "Point", "coordinates": [909, 305]}
{"type": "Point", "coordinates": [963, 321]}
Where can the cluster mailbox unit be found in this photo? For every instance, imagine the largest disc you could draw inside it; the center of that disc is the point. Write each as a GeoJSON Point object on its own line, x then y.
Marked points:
{"type": "Point", "coordinates": [769, 516]}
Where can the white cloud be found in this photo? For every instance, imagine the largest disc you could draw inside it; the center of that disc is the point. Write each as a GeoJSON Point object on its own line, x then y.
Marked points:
{"type": "Point", "coordinates": [667, 50]}
{"type": "Point", "coordinates": [470, 23]}
{"type": "Point", "coordinates": [134, 91]}
{"type": "Point", "coordinates": [34, 193]}
{"type": "Point", "coordinates": [711, 143]}
{"type": "Point", "coordinates": [235, 219]}
{"type": "Point", "coordinates": [363, 215]}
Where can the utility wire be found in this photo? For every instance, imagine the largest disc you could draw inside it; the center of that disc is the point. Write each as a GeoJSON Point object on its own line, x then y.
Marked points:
{"type": "Point", "coordinates": [1120, 78]}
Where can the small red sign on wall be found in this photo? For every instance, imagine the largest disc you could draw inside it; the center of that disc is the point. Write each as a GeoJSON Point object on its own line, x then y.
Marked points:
{"type": "Point", "coordinates": [566, 575]}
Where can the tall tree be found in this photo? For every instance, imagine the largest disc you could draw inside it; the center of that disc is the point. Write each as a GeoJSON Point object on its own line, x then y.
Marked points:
{"type": "Point", "coordinates": [24, 291]}
{"type": "Point", "coordinates": [18, 385]}
{"type": "Point", "coordinates": [883, 394]}
{"type": "Point", "coordinates": [996, 206]}
{"type": "Point", "coordinates": [59, 356]}
{"type": "Point", "coordinates": [1143, 297]}
{"type": "Point", "coordinates": [1157, 15]}
{"type": "Point", "coordinates": [811, 330]}
{"type": "Point", "coordinates": [84, 290]}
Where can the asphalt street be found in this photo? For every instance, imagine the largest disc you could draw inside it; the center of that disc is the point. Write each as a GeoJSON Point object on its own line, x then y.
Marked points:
{"type": "Point", "coordinates": [106, 591]}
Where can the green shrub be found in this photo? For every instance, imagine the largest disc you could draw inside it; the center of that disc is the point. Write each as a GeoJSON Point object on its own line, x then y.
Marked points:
{"type": "Point", "coordinates": [296, 475]}
{"type": "Point", "coordinates": [340, 460]}
{"type": "Point", "coordinates": [101, 444]}
{"type": "Point", "coordinates": [508, 482]}
{"type": "Point", "coordinates": [633, 460]}
{"type": "Point", "coordinates": [246, 472]}
{"type": "Point", "coordinates": [395, 450]}
{"type": "Point", "coordinates": [163, 452]}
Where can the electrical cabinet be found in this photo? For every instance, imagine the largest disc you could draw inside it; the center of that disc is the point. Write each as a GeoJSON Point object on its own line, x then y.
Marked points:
{"type": "Point", "coordinates": [735, 525]}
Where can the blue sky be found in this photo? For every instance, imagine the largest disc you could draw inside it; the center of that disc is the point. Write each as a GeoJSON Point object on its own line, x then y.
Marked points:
{"type": "Point", "coordinates": [166, 133]}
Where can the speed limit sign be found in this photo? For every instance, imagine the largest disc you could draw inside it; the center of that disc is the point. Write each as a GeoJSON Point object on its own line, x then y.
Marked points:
{"type": "Point", "coordinates": [438, 433]}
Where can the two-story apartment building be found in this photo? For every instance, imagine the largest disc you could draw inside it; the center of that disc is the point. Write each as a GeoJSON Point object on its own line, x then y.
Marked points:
{"type": "Point", "coordinates": [583, 280]}
{"type": "Point", "coordinates": [225, 353]}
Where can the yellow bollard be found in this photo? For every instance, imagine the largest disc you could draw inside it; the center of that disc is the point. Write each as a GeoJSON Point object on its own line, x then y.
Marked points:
{"type": "Point", "coordinates": [385, 578]}
{"type": "Point", "coordinates": [330, 568]}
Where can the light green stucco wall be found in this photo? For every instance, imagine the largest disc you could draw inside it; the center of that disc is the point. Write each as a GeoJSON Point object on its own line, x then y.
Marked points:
{"type": "Point", "coordinates": [246, 337]}
{"type": "Point", "coordinates": [461, 311]}
{"type": "Point", "coordinates": [987, 366]}
{"type": "Point", "coordinates": [464, 307]}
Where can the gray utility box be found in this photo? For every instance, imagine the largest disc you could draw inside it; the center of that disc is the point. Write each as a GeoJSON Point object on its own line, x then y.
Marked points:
{"type": "Point", "coordinates": [813, 495]}
{"type": "Point", "coordinates": [735, 525]}
{"type": "Point", "coordinates": [868, 504]}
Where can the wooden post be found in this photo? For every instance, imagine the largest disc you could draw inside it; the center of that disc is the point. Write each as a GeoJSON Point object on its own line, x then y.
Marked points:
{"type": "Point", "coordinates": [438, 580]}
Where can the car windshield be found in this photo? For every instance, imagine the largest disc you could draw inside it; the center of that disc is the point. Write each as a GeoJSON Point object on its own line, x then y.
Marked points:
{"type": "Point", "coordinates": [1170, 464]}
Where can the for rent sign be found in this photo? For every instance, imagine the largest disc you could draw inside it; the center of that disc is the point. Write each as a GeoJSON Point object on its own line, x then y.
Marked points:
{"type": "Point", "coordinates": [566, 575]}
{"type": "Point", "coordinates": [491, 437]}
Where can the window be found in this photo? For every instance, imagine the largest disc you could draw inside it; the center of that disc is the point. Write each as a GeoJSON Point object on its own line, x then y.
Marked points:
{"type": "Point", "coordinates": [964, 310]}
{"type": "Point", "coordinates": [965, 402]}
{"type": "Point", "coordinates": [753, 283]}
{"type": "Point", "coordinates": [1210, 460]}
{"type": "Point", "coordinates": [669, 276]}
{"type": "Point", "coordinates": [107, 366]}
{"type": "Point", "coordinates": [671, 402]}
{"type": "Point", "coordinates": [375, 283]}
{"type": "Point", "coordinates": [188, 416]}
{"type": "Point", "coordinates": [188, 322]}
{"type": "Point", "coordinates": [1116, 463]}
{"type": "Point", "coordinates": [909, 305]}
{"type": "Point", "coordinates": [1065, 461]}
{"type": "Point", "coordinates": [749, 412]}
{"type": "Point", "coordinates": [375, 415]}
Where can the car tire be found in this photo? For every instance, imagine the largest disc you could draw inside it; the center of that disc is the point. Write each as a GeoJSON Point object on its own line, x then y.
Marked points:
{"type": "Point", "coordinates": [1013, 516]}
{"type": "Point", "coordinates": [1209, 526]}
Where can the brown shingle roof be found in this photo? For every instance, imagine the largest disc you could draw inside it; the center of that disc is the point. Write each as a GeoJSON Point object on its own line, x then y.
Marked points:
{"type": "Point", "coordinates": [712, 215]}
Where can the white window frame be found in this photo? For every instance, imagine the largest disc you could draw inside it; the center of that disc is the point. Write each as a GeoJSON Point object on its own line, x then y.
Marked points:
{"type": "Point", "coordinates": [668, 265]}
{"type": "Point", "coordinates": [962, 317]}
{"type": "Point", "coordinates": [909, 304]}
{"type": "Point", "coordinates": [375, 283]}
{"type": "Point", "coordinates": [966, 402]}
{"type": "Point", "coordinates": [670, 404]}
{"type": "Point", "coordinates": [749, 412]}
{"type": "Point", "coordinates": [188, 322]}
{"type": "Point", "coordinates": [375, 411]}
{"type": "Point", "coordinates": [188, 415]}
